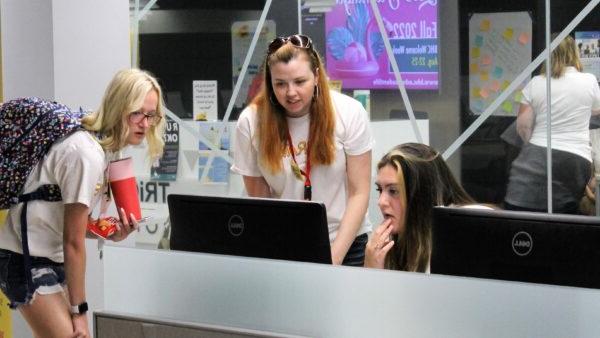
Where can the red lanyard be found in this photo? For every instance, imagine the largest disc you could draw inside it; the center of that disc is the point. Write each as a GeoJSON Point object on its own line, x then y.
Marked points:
{"type": "Point", "coordinates": [306, 174]}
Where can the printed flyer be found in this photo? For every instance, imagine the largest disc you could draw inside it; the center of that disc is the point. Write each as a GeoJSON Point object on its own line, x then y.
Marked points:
{"type": "Point", "coordinates": [166, 168]}
{"type": "Point", "coordinates": [355, 49]}
{"type": "Point", "coordinates": [218, 172]}
{"type": "Point", "coordinates": [589, 51]}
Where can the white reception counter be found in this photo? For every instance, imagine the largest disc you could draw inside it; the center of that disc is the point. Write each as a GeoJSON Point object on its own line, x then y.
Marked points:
{"type": "Point", "coordinates": [326, 301]}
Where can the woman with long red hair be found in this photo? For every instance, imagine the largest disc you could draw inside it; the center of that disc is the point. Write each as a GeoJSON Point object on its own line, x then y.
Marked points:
{"type": "Point", "coordinates": [299, 140]}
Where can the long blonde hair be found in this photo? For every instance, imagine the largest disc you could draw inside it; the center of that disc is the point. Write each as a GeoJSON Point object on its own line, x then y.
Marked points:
{"type": "Point", "coordinates": [563, 56]}
{"type": "Point", "coordinates": [126, 93]}
{"type": "Point", "coordinates": [272, 123]}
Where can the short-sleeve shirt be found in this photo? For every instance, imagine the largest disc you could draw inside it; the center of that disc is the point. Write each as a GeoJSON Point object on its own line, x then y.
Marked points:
{"type": "Point", "coordinates": [573, 97]}
{"type": "Point", "coordinates": [77, 165]}
{"type": "Point", "coordinates": [329, 183]}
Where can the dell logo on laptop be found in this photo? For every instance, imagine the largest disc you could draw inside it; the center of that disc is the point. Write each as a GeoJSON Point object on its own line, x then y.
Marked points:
{"type": "Point", "coordinates": [522, 243]}
{"type": "Point", "coordinates": [236, 225]}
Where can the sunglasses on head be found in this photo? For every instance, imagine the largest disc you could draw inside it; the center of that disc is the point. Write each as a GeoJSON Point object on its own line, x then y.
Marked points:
{"type": "Point", "coordinates": [297, 40]}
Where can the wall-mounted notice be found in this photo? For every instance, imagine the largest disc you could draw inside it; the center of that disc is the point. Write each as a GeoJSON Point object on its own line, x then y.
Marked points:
{"type": "Point", "coordinates": [589, 51]}
{"type": "Point", "coordinates": [355, 50]}
{"type": "Point", "coordinates": [499, 50]}
{"type": "Point", "coordinates": [218, 172]}
{"type": "Point", "coordinates": [242, 33]}
{"type": "Point", "coordinates": [166, 168]}
{"type": "Point", "coordinates": [205, 100]}
{"type": "Point", "coordinates": [364, 97]}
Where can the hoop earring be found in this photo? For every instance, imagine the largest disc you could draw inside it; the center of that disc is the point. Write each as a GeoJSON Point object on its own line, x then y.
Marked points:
{"type": "Point", "coordinates": [273, 102]}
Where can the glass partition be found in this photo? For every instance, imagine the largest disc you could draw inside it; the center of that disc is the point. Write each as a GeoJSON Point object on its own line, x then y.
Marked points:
{"type": "Point", "coordinates": [573, 132]}
{"type": "Point", "coordinates": [447, 73]}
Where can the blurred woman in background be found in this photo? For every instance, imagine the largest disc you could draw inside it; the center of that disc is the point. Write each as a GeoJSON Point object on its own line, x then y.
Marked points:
{"type": "Point", "coordinates": [574, 97]}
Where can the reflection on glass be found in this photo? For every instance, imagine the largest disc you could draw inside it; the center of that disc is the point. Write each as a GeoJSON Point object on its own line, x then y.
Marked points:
{"type": "Point", "coordinates": [574, 96]}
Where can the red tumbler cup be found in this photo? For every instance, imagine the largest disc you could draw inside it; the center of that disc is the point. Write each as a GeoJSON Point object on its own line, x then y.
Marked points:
{"type": "Point", "coordinates": [124, 188]}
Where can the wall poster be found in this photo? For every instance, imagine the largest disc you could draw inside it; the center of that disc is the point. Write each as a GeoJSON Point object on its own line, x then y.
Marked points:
{"type": "Point", "coordinates": [166, 167]}
{"type": "Point", "coordinates": [241, 37]}
{"type": "Point", "coordinates": [589, 51]}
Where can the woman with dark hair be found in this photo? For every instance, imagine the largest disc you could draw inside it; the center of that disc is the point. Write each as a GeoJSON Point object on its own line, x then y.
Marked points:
{"type": "Point", "coordinates": [411, 179]}
{"type": "Point", "coordinates": [299, 140]}
{"type": "Point", "coordinates": [575, 96]}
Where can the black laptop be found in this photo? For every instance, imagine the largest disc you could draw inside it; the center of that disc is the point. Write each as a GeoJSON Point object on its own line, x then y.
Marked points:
{"type": "Point", "coordinates": [518, 246]}
{"type": "Point", "coordinates": [252, 227]}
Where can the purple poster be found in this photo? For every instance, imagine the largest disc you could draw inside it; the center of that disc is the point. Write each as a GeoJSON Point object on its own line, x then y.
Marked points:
{"type": "Point", "coordinates": [356, 53]}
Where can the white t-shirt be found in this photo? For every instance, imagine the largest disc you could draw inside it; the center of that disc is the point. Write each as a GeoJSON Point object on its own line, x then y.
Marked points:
{"type": "Point", "coordinates": [573, 97]}
{"type": "Point", "coordinates": [77, 165]}
{"type": "Point", "coordinates": [329, 184]}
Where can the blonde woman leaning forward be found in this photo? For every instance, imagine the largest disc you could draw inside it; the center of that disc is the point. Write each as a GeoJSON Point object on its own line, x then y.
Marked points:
{"type": "Point", "coordinates": [130, 112]}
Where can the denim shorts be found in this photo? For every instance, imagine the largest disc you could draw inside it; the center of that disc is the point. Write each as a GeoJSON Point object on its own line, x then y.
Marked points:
{"type": "Point", "coordinates": [48, 277]}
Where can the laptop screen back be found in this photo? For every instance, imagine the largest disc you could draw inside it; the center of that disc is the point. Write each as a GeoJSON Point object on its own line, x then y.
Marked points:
{"type": "Point", "coordinates": [252, 227]}
{"type": "Point", "coordinates": [520, 246]}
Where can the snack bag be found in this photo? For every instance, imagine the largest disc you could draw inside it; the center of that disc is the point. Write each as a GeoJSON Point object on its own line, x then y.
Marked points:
{"type": "Point", "coordinates": [104, 227]}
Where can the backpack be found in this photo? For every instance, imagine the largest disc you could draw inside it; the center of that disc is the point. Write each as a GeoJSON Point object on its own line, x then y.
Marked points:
{"type": "Point", "coordinates": [28, 128]}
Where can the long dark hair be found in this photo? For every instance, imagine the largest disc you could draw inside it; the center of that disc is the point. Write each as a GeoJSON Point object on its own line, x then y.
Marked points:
{"type": "Point", "coordinates": [428, 182]}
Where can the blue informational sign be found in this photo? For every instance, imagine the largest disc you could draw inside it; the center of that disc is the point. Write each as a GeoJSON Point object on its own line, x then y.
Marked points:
{"type": "Point", "coordinates": [218, 172]}
{"type": "Point", "coordinates": [588, 44]}
{"type": "Point", "coordinates": [166, 168]}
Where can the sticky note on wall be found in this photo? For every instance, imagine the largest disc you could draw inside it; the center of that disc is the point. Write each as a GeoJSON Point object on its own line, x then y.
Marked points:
{"type": "Point", "coordinates": [474, 68]}
{"type": "Point", "coordinates": [518, 96]}
{"type": "Point", "coordinates": [507, 106]}
{"type": "Point", "coordinates": [495, 86]}
{"type": "Point", "coordinates": [508, 33]}
{"type": "Point", "coordinates": [484, 93]}
{"type": "Point", "coordinates": [498, 71]}
{"type": "Point", "coordinates": [486, 60]}
{"type": "Point", "coordinates": [475, 52]}
{"type": "Point", "coordinates": [475, 92]}
{"type": "Point", "coordinates": [484, 76]}
{"type": "Point", "coordinates": [523, 38]}
{"type": "Point", "coordinates": [478, 105]}
{"type": "Point", "coordinates": [485, 25]}
{"type": "Point", "coordinates": [478, 40]}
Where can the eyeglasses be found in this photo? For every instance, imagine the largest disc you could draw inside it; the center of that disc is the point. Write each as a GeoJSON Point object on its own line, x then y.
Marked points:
{"type": "Point", "coordinates": [297, 40]}
{"type": "Point", "coordinates": [138, 117]}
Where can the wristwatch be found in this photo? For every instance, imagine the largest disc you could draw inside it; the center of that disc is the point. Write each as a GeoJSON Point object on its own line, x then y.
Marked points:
{"type": "Point", "coordinates": [79, 309]}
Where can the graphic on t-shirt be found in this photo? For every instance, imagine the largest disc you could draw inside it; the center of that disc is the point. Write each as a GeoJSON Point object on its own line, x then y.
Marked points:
{"type": "Point", "coordinates": [298, 150]}
{"type": "Point", "coordinates": [295, 162]}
